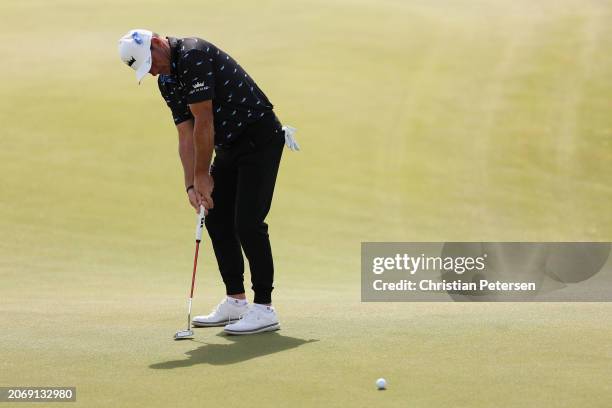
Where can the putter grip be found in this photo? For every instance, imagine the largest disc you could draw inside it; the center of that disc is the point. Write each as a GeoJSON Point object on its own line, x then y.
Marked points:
{"type": "Point", "coordinates": [200, 225]}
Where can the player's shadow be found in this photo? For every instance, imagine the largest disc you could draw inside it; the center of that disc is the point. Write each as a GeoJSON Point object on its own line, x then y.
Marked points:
{"type": "Point", "coordinates": [241, 349]}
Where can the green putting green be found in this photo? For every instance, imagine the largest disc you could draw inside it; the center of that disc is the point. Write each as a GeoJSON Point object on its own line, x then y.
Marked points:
{"type": "Point", "coordinates": [418, 121]}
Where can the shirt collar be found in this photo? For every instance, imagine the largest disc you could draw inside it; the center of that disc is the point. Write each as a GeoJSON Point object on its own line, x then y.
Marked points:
{"type": "Point", "coordinates": [174, 51]}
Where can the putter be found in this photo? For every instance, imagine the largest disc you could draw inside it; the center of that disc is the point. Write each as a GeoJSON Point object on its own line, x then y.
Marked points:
{"type": "Point", "coordinates": [188, 333]}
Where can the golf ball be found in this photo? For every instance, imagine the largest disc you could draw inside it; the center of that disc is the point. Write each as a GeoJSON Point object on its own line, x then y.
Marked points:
{"type": "Point", "coordinates": [381, 384]}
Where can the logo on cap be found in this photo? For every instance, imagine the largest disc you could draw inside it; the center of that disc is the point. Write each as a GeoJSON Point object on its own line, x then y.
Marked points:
{"type": "Point", "coordinates": [131, 61]}
{"type": "Point", "coordinates": [137, 38]}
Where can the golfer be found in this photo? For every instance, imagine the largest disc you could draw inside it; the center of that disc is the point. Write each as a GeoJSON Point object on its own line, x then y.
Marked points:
{"type": "Point", "coordinates": [217, 106]}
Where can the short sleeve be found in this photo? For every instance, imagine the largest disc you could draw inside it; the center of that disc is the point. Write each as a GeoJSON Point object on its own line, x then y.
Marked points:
{"type": "Point", "coordinates": [197, 76]}
{"type": "Point", "coordinates": [174, 98]}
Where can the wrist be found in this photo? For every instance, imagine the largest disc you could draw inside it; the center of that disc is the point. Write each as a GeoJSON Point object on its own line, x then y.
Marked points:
{"type": "Point", "coordinates": [202, 174]}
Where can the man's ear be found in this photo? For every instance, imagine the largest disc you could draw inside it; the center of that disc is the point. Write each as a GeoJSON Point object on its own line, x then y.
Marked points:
{"type": "Point", "coordinates": [156, 41]}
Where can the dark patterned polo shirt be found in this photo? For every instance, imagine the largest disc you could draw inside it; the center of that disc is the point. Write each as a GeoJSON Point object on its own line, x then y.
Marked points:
{"type": "Point", "coordinates": [199, 72]}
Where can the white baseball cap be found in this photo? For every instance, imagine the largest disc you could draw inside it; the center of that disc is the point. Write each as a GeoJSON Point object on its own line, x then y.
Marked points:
{"type": "Point", "coordinates": [135, 51]}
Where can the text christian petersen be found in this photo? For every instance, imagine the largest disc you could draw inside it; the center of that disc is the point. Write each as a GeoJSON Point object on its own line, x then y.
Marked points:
{"type": "Point", "coordinates": [457, 265]}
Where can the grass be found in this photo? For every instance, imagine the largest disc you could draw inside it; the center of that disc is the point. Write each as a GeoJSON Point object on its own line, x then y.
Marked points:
{"type": "Point", "coordinates": [418, 121]}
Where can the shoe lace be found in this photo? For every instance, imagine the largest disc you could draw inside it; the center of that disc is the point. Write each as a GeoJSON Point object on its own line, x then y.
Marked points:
{"type": "Point", "coordinates": [216, 308]}
{"type": "Point", "coordinates": [229, 319]}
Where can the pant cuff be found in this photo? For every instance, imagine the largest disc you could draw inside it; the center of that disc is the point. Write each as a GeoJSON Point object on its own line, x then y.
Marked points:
{"type": "Point", "coordinates": [234, 289]}
{"type": "Point", "coordinates": [263, 296]}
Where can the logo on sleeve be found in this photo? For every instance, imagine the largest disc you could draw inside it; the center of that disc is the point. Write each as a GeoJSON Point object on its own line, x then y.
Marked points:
{"type": "Point", "coordinates": [131, 61]}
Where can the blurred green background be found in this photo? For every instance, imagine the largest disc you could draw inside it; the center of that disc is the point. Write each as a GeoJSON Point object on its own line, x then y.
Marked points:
{"type": "Point", "coordinates": [418, 121]}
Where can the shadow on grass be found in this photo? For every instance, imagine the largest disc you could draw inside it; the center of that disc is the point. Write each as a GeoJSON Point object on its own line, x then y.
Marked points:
{"type": "Point", "coordinates": [241, 349]}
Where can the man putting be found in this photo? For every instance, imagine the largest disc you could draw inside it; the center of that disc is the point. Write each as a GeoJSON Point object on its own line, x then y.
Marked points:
{"type": "Point", "coordinates": [216, 104]}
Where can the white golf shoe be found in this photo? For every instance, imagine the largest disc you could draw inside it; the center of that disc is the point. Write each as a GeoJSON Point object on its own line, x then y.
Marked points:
{"type": "Point", "coordinates": [257, 319]}
{"type": "Point", "coordinates": [225, 312]}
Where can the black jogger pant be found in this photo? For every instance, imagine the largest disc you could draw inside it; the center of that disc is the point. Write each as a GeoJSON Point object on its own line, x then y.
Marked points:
{"type": "Point", "coordinates": [244, 176]}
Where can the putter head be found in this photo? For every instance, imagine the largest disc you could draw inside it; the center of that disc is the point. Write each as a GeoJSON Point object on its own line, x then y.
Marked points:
{"type": "Point", "coordinates": [183, 334]}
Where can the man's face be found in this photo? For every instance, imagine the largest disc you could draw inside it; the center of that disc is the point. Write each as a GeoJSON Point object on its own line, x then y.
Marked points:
{"type": "Point", "coordinates": [160, 57]}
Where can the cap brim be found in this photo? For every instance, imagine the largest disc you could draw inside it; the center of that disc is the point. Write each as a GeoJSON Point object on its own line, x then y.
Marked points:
{"type": "Point", "coordinates": [143, 69]}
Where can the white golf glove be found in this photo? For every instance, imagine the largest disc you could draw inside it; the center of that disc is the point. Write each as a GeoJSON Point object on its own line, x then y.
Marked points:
{"type": "Point", "coordinates": [290, 141]}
